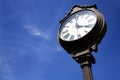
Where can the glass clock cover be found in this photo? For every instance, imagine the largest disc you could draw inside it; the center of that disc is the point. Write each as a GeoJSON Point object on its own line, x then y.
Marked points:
{"type": "Point", "coordinates": [77, 25]}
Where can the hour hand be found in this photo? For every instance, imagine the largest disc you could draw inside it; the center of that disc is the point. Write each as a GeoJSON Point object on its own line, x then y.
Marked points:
{"type": "Point", "coordinates": [80, 26]}
{"type": "Point", "coordinates": [83, 26]}
{"type": "Point", "coordinates": [87, 26]}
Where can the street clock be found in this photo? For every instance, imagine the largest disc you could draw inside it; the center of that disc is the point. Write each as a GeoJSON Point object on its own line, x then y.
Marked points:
{"type": "Point", "coordinates": [80, 32]}
{"type": "Point", "coordinates": [81, 29]}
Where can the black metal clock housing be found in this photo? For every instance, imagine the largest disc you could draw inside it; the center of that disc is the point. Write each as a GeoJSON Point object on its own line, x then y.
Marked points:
{"type": "Point", "coordinates": [81, 29]}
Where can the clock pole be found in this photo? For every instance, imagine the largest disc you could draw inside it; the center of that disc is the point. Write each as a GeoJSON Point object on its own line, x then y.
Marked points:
{"type": "Point", "coordinates": [85, 60]}
{"type": "Point", "coordinates": [87, 72]}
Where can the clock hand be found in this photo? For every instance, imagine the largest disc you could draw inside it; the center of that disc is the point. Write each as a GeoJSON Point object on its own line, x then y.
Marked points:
{"type": "Point", "coordinates": [86, 26]}
{"type": "Point", "coordinates": [76, 18]}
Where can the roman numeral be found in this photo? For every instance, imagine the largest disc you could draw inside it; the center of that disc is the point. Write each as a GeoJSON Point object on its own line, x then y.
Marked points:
{"type": "Point", "coordinates": [87, 16]}
{"type": "Point", "coordinates": [71, 21]}
{"type": "Point", "coordinates": [90, 20]}
{"type": "Point", "coordinates": [85, 31]}
{"type": "Point", "coordinates": [66, 35]}
{"type": "Point", "coordinates": [71, 37]}
{"type": "Point", "coordinates": [78, 35]}
{"type": "Point", "coordinates": [64, 31]}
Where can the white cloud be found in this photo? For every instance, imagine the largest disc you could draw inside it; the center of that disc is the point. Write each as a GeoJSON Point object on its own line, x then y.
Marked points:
{"type": "Point", "coordinates": [37, 32]}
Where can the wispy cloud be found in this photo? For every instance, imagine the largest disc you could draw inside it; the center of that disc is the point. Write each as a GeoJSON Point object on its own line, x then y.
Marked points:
{"type": "Point", "coordinates": [5, 70]}
{"type": "Point", "coordinates": [37, 32]}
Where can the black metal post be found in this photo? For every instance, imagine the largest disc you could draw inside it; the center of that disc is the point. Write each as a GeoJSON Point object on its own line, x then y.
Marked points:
{"type": "Point", "coordinates": [86, 62]}
{"type": "Point", "coordinates": [87, 72]}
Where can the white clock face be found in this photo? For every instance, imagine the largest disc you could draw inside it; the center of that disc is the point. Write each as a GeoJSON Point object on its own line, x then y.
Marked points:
{"type": "Point", "coordinates": [77, 25]}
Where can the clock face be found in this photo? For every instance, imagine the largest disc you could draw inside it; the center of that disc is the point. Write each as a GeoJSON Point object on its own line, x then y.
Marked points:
{"type": "Point", "coordinates": [77, 25]}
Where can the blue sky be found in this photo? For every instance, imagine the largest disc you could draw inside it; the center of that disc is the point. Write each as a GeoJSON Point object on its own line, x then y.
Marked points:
{"type": "Point", "coordinates": [29, 49]}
